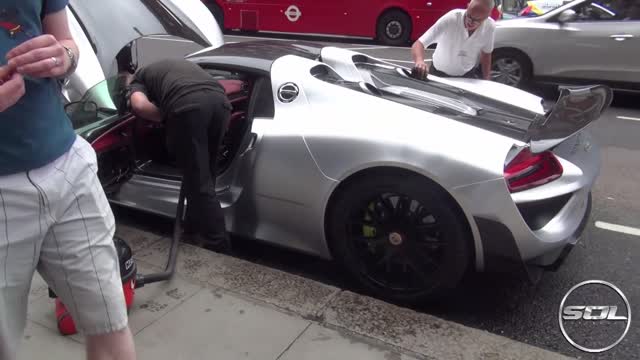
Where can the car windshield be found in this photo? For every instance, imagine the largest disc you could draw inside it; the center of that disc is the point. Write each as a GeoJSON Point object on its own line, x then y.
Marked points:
{"type": "Point", "coordinates": [98, 105]}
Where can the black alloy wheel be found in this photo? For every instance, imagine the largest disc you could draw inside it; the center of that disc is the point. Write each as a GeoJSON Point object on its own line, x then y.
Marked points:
{"type": "Point", "coordinates": [400, 237]}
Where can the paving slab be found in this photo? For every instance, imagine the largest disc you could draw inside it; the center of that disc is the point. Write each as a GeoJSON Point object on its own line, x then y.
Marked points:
{"type": "Point", "coordinates": [291, 292]}
{"type": "Point", "coordinates": [139, 240]}
{"type": "Point", "coordinates": [40, 342]}
{"type": "Point", "coordinates": [216, 324]}
{"type": "Point", "coordinates": [223, 307]}
{"type": "Point", "coordinates": [423, 333]}
{"type": "Point", "coordinates": [151, 303]}
{"type": "Point", "coordinates": [321, 343]}
{"type": "Point", "coordinates": [39, 288]}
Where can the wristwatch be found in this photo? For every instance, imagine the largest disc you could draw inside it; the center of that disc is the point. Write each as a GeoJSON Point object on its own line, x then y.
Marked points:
{"type": "Point", "coordinates": [72, 59]}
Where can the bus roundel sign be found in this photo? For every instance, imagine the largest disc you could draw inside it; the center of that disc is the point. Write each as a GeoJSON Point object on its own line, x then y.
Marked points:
{"type": "Point", "coordinates": [293, 13]}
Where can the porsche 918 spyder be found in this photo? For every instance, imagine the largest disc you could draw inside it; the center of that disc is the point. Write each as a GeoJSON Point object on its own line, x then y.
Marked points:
{"type": "Point", "coordinates": [408, 183]}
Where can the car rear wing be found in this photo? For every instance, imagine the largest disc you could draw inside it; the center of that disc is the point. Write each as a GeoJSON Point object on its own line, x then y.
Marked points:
{"type": "Point", "coordinates": [575, 109]}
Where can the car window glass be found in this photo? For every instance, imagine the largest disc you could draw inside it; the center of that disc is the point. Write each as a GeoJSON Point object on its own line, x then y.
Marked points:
{"type": "Point", "coordinates": [607, 10]}
{"type": "Point", "coordinates": [96, 105]}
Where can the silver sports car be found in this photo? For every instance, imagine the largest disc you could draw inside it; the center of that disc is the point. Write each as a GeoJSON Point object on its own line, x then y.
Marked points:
{"type": "Point", "coordinates": [580, 42]}
{"type": "Point", "coordinates": [407, 183]}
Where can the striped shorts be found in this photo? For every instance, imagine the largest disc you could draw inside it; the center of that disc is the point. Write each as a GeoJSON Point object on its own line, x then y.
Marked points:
{"type": "Point", "coordinates": [56, 220]}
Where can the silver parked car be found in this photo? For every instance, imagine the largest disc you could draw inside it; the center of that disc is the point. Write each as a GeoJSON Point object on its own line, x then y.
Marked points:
{"type": "Point", "coordinates": [582, 42]}
{"type": "Point", "coordinates": [407, 183]}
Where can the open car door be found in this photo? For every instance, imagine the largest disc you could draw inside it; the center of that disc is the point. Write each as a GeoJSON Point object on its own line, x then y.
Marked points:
{"type": "Point", "coordinates": [111, 133]}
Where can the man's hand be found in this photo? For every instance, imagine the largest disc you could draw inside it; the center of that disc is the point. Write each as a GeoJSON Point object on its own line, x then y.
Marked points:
{"type": "Point", "coordinates": [11, 87]}
{"type": "Point", "coordinates": [40, 57]}
{"type": "Point", "coordinates": [44, 56]}
{"type": "Point", "coordinates": [485, 62]}
{"type": "Point", "coordinates": [420, 69]}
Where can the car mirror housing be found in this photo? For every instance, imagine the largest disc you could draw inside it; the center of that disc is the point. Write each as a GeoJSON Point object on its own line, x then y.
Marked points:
{"type": "Point", "coordinates": [567, 16]}
{"type": "Point", "coordinates": [84, 106]}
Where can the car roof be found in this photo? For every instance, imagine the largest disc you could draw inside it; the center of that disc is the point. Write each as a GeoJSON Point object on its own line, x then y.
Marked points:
{"type": "Point", "coordinates": [256, 55]}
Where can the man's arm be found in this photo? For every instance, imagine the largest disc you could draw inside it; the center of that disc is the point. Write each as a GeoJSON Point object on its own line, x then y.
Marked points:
{"type": "Point", "coordinates": [429, 37]}
{"type": "Point", "coordinates": [141, 106]}
{"type": "Point", "coordinates": [57, 25]}
{"type": "Point", "coordinates": [35, 57]}
{"type": "Point", "coordinates": [485, 62]}
{"type": "Point", "coordinates": [12, 88]}
{"type": "Point", "coordinates": [417, 52]}
{"type": "Point", "coordinates": [487, 51]}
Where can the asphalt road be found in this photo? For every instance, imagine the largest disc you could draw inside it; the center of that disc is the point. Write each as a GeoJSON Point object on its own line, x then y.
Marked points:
{"type": "Point", "coordinates": [610, 250]}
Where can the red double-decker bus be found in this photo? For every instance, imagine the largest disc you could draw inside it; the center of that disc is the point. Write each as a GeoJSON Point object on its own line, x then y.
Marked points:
{"type": "Point", "coordinates": [392, 22]}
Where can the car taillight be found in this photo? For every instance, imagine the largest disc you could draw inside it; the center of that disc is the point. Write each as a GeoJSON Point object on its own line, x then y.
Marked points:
{"type": "Point", "coordinates": [528, 170]}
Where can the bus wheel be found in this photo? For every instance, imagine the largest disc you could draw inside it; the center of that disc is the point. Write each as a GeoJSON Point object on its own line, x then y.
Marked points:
{"type": "Point", "coordinates": [394, 28]}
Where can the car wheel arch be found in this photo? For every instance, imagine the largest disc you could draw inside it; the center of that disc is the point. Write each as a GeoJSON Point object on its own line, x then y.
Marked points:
{"type": "Point", "coordinates": [523, 53]}
{"type": "Point", "coordinates": [471, 228]}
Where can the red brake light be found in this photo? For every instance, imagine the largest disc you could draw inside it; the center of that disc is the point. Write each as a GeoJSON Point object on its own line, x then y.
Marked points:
{"type": "Point", "coordinates": [529, 170]}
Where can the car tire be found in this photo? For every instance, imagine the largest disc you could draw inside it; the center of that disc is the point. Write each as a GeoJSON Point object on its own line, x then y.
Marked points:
{"type": "Point", "coordinates": [357, 246]}
{"type": "Point", "coordinates": [507, 64]}
{"type": "Point", "coordinates": [394, 28]}
{"type": "Point", "coordinates": [217, 13]}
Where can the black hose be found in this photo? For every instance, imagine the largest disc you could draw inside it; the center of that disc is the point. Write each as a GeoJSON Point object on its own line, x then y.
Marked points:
{"type": "Point", "coordinates": [170, 268]}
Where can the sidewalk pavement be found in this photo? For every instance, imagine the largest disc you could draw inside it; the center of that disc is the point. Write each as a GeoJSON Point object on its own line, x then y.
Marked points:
{"type": "Point", "coordinates": [220, 307]}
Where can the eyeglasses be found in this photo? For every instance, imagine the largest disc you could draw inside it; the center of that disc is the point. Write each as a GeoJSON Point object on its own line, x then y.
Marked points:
{"type": "Point", "coordinates": [473, 20]}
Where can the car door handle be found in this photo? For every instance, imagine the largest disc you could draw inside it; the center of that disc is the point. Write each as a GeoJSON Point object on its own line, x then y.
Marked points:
{"type": "Point", "coordinates": [621, 37]}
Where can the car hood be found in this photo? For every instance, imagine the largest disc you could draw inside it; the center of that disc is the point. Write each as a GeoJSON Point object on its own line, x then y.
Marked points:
{"type": "Point", "coordinates": [111, 25]}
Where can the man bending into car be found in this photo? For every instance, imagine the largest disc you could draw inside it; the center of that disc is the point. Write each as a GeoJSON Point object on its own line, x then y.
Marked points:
{"type": "Point", "coordinates": [464, 43]}
{"type": "Point", "coordinates": [195, 111]}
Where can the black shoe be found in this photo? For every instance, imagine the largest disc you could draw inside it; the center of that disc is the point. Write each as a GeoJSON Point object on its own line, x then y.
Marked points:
{"type": "Point", "coordinates": [220, 243]}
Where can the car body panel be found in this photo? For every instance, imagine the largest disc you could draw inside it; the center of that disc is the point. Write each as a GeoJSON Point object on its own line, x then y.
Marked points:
{"type": "Point", "coordinates": [594, 51]}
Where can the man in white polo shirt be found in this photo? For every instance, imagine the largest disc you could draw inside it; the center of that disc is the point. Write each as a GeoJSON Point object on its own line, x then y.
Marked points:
{"type": "Point", "coordinates": [464, 41]}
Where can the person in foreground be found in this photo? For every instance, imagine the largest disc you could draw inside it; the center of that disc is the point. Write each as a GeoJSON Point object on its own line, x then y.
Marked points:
{"type": "Point", "coordinates": [54, 216]}
{"type": "Point", "coordinates": [464, 40]}
{"type": "Point", "coordinates": [195, 111]}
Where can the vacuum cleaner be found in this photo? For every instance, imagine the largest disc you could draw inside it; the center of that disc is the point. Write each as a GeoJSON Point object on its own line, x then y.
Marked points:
{"type": "Point", "coordinates": [131, 279]}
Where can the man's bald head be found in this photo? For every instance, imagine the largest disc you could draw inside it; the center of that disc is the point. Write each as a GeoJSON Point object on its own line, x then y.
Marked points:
{"type": "Point", "coordinates": [477, 12]}
{"type": "Point", "coordinates": [486, 5]}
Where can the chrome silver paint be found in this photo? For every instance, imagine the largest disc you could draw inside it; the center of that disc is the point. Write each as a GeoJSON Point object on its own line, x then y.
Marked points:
{"type": "Point", "coordinates": [342, 61]}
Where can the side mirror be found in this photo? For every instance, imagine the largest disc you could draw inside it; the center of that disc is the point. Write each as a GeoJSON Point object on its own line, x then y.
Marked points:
{"type": "Point", "coordinates": [84, 106]}
{"type": "Point", "coordinates": [567, 16]}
